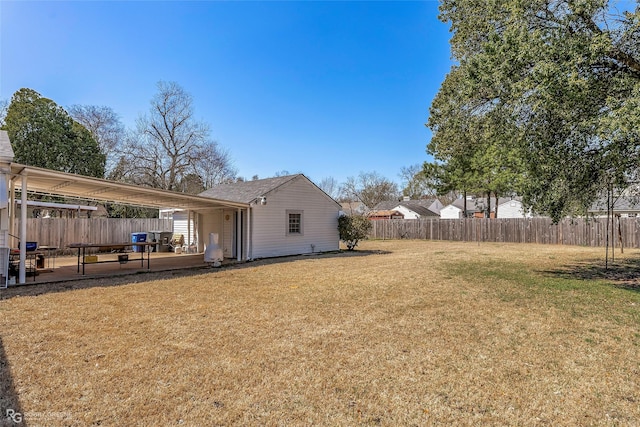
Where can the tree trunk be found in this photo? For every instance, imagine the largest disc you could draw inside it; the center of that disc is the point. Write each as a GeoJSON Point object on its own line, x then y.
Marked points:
{"type": "Point", "coordinates": [488, 204]}
{"type": "Point", "coordinates": [464, 212]}
{"type": "Point", "coordinates": [620, 234]}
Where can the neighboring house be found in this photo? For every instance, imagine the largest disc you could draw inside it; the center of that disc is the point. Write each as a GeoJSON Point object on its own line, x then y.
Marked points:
{"type": "Point", "coordinates": [455, 209]}
{"type": "Point", "coordinates": [411, 209]}
{"type": "Point", "coordinates": [512, 208]}
{"type": "Point", "coordinates": [626, 207]}
{"type": "Point", "coordinates": [451, 212]}
{"type": "Point", "coordinates": [287, 215]}
{"type": "Point", "coordinates": [387, 214]}
{"type": "Point", "coordinates": [354, 208]}
{"type": "Point", "coordinates": [507, 208]}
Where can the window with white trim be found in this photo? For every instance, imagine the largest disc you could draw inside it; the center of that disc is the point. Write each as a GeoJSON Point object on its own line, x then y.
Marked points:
{"type": "Point", "coordinates": [294, 222]}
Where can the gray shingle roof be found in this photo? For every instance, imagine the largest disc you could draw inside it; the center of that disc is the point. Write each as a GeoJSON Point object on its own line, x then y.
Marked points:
{"type": "Point", "coordinates": [420, 210]}
{"type": "Point", "coordinates": [421, 207]}
{"type": "Point", "coordinates": [6, 152]}
{"type": "Point", "coordinates": [622, 204]}
{"type": "Point", "coordinates": [386, 205]}
{"type": "Point", "coordinates": [459, 203]}
{"type": "Point", "coordinates": [247, 191]}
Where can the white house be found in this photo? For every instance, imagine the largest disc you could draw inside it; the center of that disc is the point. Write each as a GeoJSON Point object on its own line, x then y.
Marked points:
{"type": "Point", "coordinates": [507, 208]}
{"type": "Point", "coordinates": [278, 216]}
{"type": "Point", "coordinates": [455, 209]}
{"type": "Point", "coordinates": [511, 208]}
{"type": "Point", "coordinates": [451, 212]}
{"type": "Point", "coordinates": [287, 215]}
{"type": "Point", "coordinates": [411, 209]}
{"type": "Point", "coordinates": [625, 205]}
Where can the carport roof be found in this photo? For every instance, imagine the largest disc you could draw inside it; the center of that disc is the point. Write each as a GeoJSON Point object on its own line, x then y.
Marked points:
{"type": "Point", "coordinates": [49, 182]}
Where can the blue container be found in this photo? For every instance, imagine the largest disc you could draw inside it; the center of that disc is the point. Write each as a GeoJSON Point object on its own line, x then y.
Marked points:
{"type": "Point", "coordinates": [138, 238]}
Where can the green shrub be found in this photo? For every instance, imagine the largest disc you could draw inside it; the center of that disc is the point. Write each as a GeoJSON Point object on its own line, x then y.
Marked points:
{"type": "Point", "coordinates": [353, 228]}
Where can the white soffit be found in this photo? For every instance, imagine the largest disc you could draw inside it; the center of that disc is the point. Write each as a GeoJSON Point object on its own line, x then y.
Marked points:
{"type": "Point", "coordinates": [49, 182]}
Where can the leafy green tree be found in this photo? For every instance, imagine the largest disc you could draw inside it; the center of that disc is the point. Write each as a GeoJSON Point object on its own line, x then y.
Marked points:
{"type": "Point", "coordinates": [352, 229]}
{"type": "Point", "coordinates": [449, 180]}
{"type": "Point", "coordinates": [562, 78]}
{"type": "Point", "coordinates": [475, 147]}
{"type": "Point", "coordinates": [43, 134]}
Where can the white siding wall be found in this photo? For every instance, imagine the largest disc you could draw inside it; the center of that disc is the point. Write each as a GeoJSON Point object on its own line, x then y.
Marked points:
{"type": "Point", "coordinates": [452, 212]}
{"type": "Point", "coordinates": [408, 213]}
{"type": "Point", "coordinates": [319, 221]}
{"type": "Point", "coordinates": [210, 222]}
{"type": "Point", "coordinates": [180, 225]}
{"type": "Point", "coordinates": [511, 209]}
{"type": "Point", "coordinates": [228, 240]}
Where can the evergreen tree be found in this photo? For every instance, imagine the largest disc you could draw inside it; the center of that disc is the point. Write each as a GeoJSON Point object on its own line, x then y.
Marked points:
{"type": "Point", "coordinates": [553, 88]}
{"type": "Point", "coordinates": [42, 134]}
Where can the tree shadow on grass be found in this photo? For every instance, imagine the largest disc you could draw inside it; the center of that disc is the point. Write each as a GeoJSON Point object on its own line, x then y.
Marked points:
{"type": "Point", "coordinates": [10, 411]}
{"type": "Point", "coordinates": [623, 274]}
{"type": "Point", "coordinates": [146, 276]}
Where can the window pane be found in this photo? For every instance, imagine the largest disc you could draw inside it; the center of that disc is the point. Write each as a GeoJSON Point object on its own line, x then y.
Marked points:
{"type": "Point", "coordinates": [294, 223]}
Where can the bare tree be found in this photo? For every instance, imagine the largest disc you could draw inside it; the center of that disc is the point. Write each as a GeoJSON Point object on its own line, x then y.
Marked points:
{"type": "Point", "coordinates": [170, 146]}
{"type": "Point", "coordinates": [420, 181]}
{"type": "Point", "coordinates": [4, 107]}
{"type": "Point", "coordinates": [330, 186]}
{"type": "Point", "coordinates": [104, 125]}
{"type": "Point", "coordinates": [370, 188]}
{"type": "Point", "coordinates": [214, 164]}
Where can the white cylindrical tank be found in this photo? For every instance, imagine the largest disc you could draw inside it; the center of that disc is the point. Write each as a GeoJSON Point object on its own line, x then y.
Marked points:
{"type": "Point", "coordinates": [213, 253]}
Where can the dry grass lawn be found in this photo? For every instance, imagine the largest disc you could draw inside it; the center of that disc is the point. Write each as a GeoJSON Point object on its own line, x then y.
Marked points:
{"type": "Point", "coordinates": [398, 333]}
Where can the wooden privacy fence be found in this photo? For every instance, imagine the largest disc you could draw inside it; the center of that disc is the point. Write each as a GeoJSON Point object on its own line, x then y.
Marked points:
{"type": "Point", "coordinates": [60, 232]}
{"type": "Point", "coordinates": [584, 232]}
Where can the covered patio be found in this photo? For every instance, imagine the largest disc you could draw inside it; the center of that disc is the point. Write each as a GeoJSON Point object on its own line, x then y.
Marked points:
{"type": "Point", "coordinates": [65, 268]}
{"type": "Point", "coordinates": [33, 180]}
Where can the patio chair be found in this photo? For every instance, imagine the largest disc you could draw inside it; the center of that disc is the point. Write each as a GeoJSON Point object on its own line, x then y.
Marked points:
{"type": "Point", "coordinates": [177, 241]}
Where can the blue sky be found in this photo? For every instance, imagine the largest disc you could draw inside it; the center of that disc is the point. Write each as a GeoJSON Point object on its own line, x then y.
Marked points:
{"type": "Point", "coordinates": [329, 89]}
